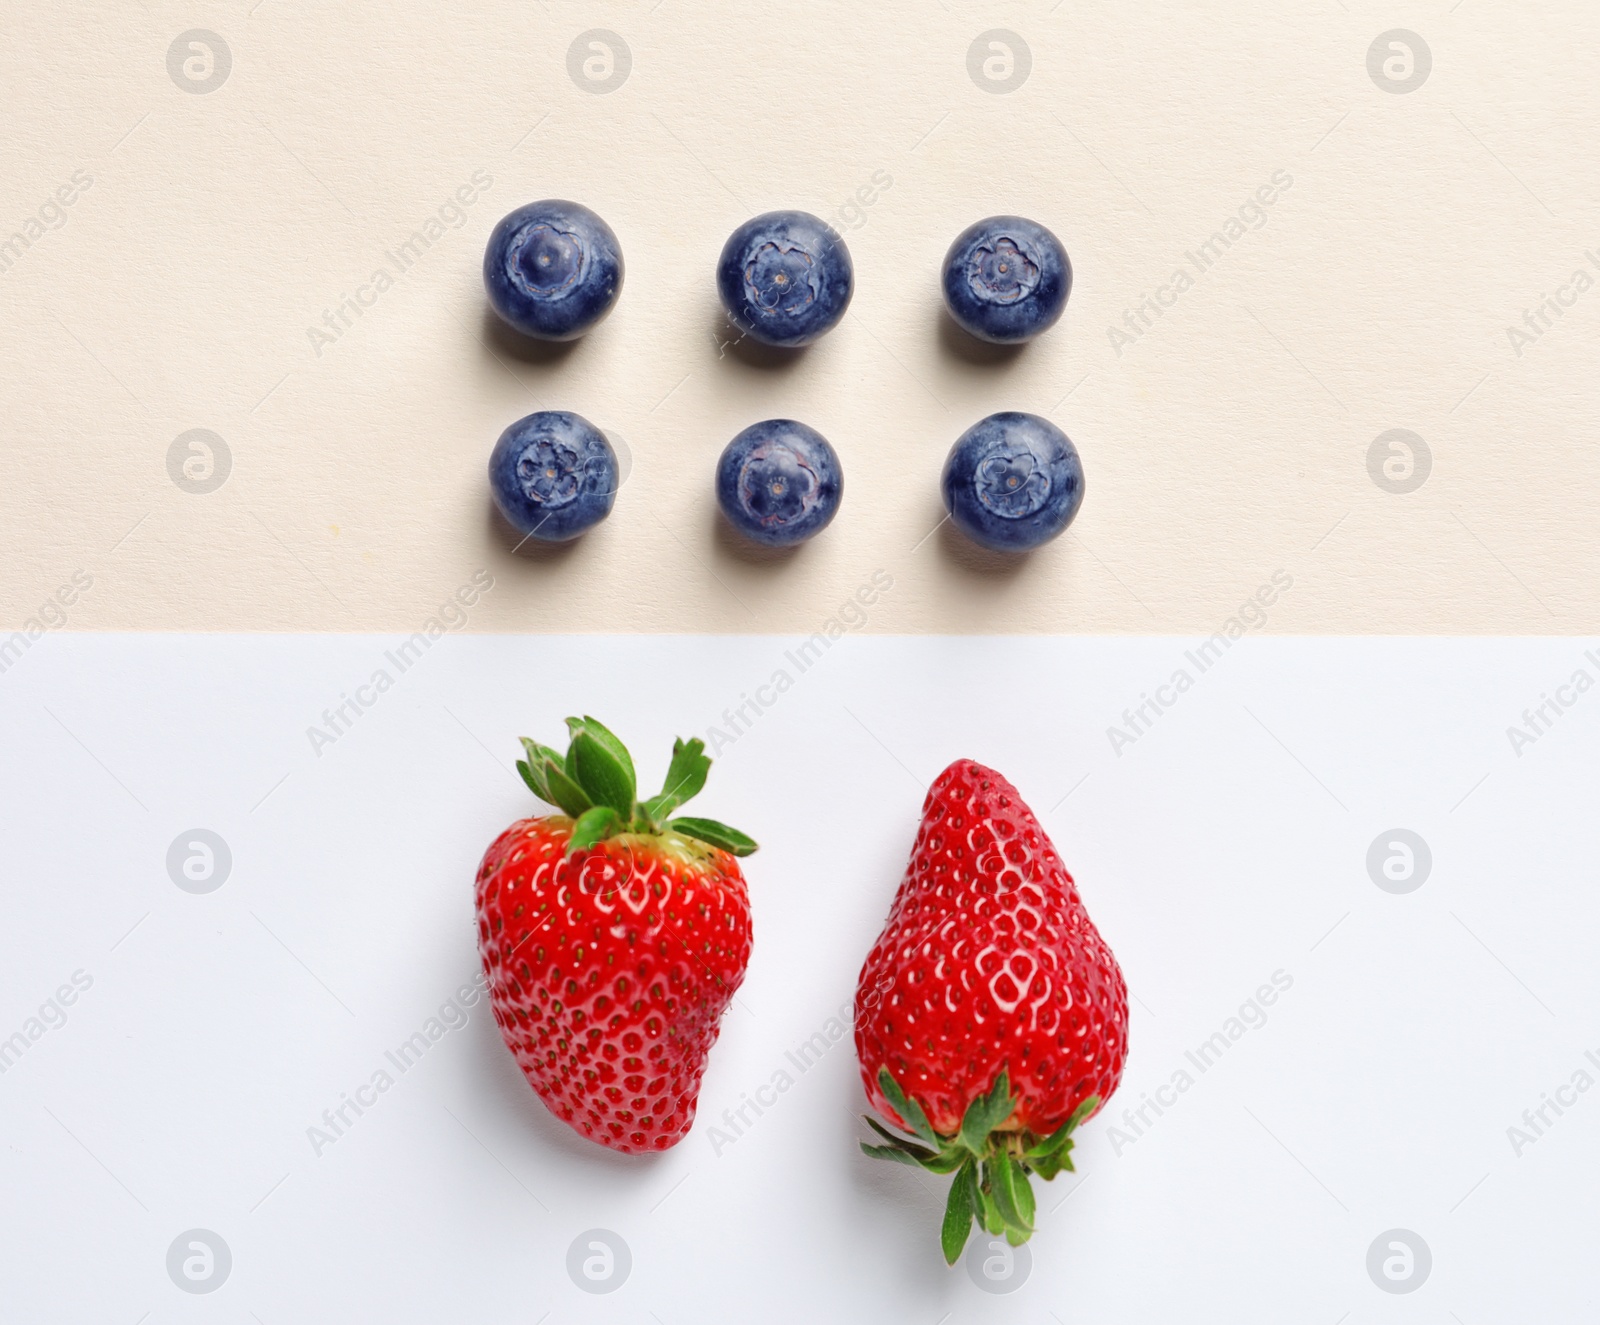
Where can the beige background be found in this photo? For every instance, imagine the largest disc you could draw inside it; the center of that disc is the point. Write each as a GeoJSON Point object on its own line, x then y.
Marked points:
{"type": "Point", "coordinates": [1229, 442]}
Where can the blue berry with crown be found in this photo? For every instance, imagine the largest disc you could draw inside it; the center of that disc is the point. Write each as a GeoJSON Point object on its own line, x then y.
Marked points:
{"type": "Point", "coordinates": [1012, 481]}
{"type": "Point", "coordinates": [553, 269]}
{"type": "Point", "coordinates": [553, 475]}
{"type": "Point", "coordinates": [785, 278]}
{"type": "Point", "coordinates": [1006, 279]}
{"type": "Point", "coordinates": [779, 482]}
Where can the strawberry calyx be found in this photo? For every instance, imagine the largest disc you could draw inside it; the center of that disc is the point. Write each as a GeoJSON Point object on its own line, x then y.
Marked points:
{"type": "Point", "coordinates": [595, 784]}
{"type": "Point", "coordinates": [991, 1164]}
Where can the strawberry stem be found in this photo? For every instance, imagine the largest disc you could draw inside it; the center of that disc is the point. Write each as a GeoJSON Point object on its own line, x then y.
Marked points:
{"type": "Point", "coordinates": [594, 784]}
{"type": "Point", "coordinates": [992, 1167]}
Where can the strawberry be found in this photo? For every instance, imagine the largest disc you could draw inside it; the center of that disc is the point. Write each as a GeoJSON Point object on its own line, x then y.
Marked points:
{"type": "Point", "coordinates": [991, 1017]}
{"type": "Point", "coordinates": [613, 938]}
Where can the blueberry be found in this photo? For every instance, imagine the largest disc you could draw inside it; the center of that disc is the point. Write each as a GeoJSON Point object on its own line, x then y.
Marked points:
{"type": "Point", "coordinates": [779, 482]}
{"type": "Point", "coordinates": [1012, 482]}
{"type": "Point", "coordinates": [785, 277]}
{"type": "Point", "coordinates": [553, 269]}
{"type": "Point", "coordinates": [553, 475]}
{"type": "Point", "coordinates": [1006, 279]}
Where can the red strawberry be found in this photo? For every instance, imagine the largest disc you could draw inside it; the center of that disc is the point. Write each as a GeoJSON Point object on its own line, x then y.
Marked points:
{"type": "Point", "coordinates": [613, 938]}
{"type": "Point", "coordinates": [991, 1017]}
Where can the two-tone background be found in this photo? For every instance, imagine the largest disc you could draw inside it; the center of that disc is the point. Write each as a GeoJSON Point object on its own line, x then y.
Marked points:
{"type": "Point", "coordinates": [1329, 361]}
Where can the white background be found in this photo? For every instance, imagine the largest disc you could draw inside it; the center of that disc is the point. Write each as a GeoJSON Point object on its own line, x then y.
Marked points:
{"type": "Point", "coordinates": [1227, 843]}
{"type": "Point", "coordinates": [1229, 443]}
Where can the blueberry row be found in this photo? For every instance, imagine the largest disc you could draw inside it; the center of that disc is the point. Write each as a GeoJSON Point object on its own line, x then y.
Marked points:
{"type": "Point", "coordinates": [1011, 482]}
{"type": "Point", "coordinates": [554, 269]}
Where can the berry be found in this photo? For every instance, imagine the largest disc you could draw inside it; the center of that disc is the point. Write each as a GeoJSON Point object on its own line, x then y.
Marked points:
{"type": "Point", "coordinates": [1006, 279]}
{"type": "Point", "coordinates": [1012, 481]}
{"type": "Point", "coordinates": [991, 1017]}
{"type": "Point", "coordinates": [613, 938]}
{"type": "Point", "coordinates": [553, 269]}
{"type": "Point", "coordinates": [785, 277]}
{"type": "Point", "coordinates": [553, 475]}
{"type": "Point", "coordinates": [779, 482]}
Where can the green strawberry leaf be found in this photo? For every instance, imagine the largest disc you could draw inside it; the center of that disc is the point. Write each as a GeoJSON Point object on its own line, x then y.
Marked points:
{"type": "Point", "coordinates": [897, 1097]}
{"type": "Point", "coordinates": [564, 791]}
{"type": "Point", "coordinates": [1047, 1148]}
{"type": "Point", "coordinates": [988, 1211]}
{"type": "Point", "coordinates": [547, 752]}
{"type": "Point", "coordinates": [985, 1113]}
{"type": "Point", "coordinates": [598, 731]}
{"type": "Point", "coordinates": [532, 769]}
{"type": "Point", "coordinates": [730, 840]}
{"type": "Point", "coordinates": [1000, 1179]}
{"type": "Point", "coordinates": [535, 781]}
{"type": "Point", "coordinates": [606, 779]}
{"type": "Point", "coordinates": [958, 1212]}
{"type": "Point", "coordinates": [947, 1161]}
{"type": "Point", "coordinates": [686, 777]}
{"type": "Point", "coordinates": [537, 754]}
{"type": "Point", "coordinates": [890, 1152]}
{"type": "Point", "coordinates": [920, 1153]}
{"type": "Point", "coordinates": [970, 1176]}
{"type": "Point", "coordinates": [1061, 1137]}
{"type": "Point", "coordinates": [601, 732]}
{"type": "Point", "coordinates": [1047, 1166]}
{"type": "Point", "coordinates": [1053, 1154]}
{"type": "Point", "coordinates": [1022, 1192]}
{"type": "Point", "coordinates": [907, 1108]}
{"type": "Point", "coordinates": [592, 826]}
